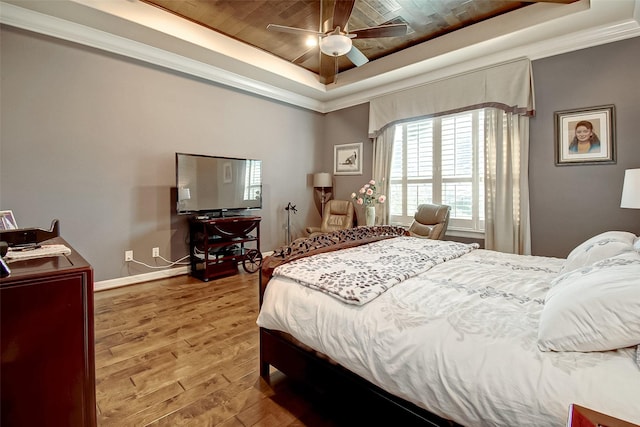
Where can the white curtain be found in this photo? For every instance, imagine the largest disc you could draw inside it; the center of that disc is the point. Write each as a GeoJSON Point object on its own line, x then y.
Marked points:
{"type": "Point", "coordinates": [507, 226]}
{"type": "Point", "coordinates": [506, 91]}
{"type": "Point", "coordinates": [382, 155]}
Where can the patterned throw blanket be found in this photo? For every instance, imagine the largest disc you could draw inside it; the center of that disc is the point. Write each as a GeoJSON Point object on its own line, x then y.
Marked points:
{"type": "Point", "coordinates": [358, 275]}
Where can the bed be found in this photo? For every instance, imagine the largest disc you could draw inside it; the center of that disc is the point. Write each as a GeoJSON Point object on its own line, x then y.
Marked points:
{"type": "Point", "coordinates": [454, 334]}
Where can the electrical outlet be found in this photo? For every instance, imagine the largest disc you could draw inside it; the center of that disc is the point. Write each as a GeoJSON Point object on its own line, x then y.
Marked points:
{"type": "Point", "coordinates": [128, 255]}
{"type": "Point", "coordinates": [155, 252]}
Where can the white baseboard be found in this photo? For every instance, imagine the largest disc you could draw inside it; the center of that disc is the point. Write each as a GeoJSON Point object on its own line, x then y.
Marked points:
{"type": "Point", "coordinates": [139, 278]}
{"type": "Point", "coordinates": [146, 277]}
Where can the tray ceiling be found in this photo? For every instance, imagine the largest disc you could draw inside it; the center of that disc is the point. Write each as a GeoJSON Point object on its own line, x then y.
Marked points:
{"type": "Point", "coordinates": [247, 20]}
{"type": "Point", "coordinates": [239, 52]}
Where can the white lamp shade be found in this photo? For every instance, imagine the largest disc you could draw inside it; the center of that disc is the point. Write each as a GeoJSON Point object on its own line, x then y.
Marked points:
{"type": "Point", "coordinates": [631, 189]}
{"type": "Point", "coordinates": [335, 45]}
{"type": "Point", "coordinates": [322, 179]}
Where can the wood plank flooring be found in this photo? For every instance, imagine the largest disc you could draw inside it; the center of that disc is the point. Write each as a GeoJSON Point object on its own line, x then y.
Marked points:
{"type": "Point", "coordinates": [179, 351]}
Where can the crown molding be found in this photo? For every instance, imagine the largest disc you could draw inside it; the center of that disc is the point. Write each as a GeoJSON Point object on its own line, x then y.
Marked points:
{"type": "Point", "coordinates": [41, 23]}
{"type": "Point", "coordinates": [607, 21]}
{"type": "Point", "coordinates": [618, 25]}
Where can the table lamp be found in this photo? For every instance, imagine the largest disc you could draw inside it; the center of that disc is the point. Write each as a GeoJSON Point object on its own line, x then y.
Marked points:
{"type": "Point", "coordinates": [631, 189]}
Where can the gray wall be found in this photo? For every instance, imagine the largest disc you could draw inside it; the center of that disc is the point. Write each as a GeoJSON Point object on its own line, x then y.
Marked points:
{"type": "Point", "coordinates": [568, 203]}
{"type": "Point", "coordinates": [90, 138]}
{"type": "Point", "coordinates": [572, 203]}
{"type": "Point", "coordinates": [345, 127]}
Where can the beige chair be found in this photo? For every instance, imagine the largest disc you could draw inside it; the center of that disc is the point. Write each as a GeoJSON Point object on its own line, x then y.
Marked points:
{"type": "Point", "coordinates": [430, 221]}
{"type": "Point", "coordinates": [338, 214]}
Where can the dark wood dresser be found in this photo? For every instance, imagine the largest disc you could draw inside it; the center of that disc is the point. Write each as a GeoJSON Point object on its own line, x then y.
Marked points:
{"type": "Point", "coordinates": [48, 365]}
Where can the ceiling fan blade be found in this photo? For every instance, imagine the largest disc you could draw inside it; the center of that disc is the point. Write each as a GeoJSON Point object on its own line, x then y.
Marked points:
{"type": "Point", "coordinates": [326, 15]}
{"type": "Point", "coordinates": [342, 12]}
{"type": "Point", "coordinates": [310, 53]}
{"type": "Point", "coordinates": [292, 30]}
{"type": "Point", "coordinates": [357, 57]}
{"type": "Point", "coordinates": [392, 30]}
{"type": "Point", "coordinates": [328, 65]}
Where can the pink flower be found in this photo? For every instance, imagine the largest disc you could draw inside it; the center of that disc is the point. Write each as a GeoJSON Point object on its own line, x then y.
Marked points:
{"type": "Point", "coordinates": [367, 195]}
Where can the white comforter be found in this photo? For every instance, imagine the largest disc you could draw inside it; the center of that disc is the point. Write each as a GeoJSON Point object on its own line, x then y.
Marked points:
{"type": "Point", "coordinates": [460, 341]}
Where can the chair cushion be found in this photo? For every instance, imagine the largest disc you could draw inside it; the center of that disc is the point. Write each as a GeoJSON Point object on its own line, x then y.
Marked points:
{"type": "Point", "coordinates": [338, 215]}
{"type": "Point", "coordinates": [421, 230]}
{"type": "Point", "coordinates": [430, 221]}
{"type": "Point", "coordinates": [431, 214]}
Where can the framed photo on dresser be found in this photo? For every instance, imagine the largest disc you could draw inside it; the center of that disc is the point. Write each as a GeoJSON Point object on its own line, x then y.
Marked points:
{"type": "Point", "coordinates": [7, 221]}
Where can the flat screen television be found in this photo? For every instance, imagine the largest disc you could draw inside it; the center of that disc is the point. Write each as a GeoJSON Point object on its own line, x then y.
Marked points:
{"type": "Point", "coordinates": [214, 185]}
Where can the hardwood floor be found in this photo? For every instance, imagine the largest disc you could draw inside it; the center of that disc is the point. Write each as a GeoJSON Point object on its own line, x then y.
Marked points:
{"type": "Point", "coordinates": [180, 351]}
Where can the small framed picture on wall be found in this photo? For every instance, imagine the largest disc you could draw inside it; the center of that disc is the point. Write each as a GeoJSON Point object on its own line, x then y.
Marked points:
{"type": "Point", "coordinates": [347, 159]}
{"type": "Point", "coordinates": [585, 136]}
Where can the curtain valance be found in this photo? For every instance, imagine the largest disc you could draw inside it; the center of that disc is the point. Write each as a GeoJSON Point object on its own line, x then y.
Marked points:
{"type": "Point", "coordinates": [508, 86]}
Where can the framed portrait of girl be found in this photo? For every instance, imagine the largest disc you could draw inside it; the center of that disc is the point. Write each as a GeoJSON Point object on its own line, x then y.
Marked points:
{"type": "Point", "coordinates": [585, 136]}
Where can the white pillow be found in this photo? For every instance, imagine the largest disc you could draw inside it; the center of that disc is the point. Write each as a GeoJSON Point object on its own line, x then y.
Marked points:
{"type": "Point", "coordinates": [636, 244]}
{"type": "Point", "coordinates": [604, 245]}
{"type": "Point", "coordinates": [595, 308]}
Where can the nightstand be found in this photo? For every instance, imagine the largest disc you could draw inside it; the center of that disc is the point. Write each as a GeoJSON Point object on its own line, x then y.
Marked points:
{"type": "Point", "coordinates": [580, 416]}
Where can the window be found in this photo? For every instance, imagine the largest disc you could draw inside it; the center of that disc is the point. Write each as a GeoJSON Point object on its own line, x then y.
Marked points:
{"type": "Point", "coordinates": [440, 160]}
{"type": "Point", "coordinates": [253, 179]}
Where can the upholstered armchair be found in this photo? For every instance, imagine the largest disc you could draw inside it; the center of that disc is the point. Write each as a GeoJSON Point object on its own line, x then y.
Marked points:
{"type": "Point", "coordinates": [337, 215]}
{"type": "Point", "coordinates": [430, 221]}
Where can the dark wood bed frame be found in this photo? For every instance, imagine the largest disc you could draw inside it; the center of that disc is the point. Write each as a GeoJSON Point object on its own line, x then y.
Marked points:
{"type": "Point", "coordinates": [301, 363]}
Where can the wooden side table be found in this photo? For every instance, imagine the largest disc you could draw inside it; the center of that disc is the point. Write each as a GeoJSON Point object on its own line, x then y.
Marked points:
{"type": "Point", "coordinates": [579, 416]}
{"type": "Point", "coordinates": [217, 245]}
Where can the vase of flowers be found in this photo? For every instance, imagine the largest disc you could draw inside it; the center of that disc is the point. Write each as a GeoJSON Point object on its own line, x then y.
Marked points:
{"type": "Point", "coordinates": [370, 215]}
{"type": "Point", "coordinates": [367, 196]}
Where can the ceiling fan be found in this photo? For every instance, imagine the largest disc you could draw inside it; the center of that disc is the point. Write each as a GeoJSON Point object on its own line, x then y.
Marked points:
{"type": "Point", "coordinates": [334, 38]}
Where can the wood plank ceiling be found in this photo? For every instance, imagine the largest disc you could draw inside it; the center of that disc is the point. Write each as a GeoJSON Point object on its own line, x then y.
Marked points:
{"type": "Point", "coordinates": [247, 20]}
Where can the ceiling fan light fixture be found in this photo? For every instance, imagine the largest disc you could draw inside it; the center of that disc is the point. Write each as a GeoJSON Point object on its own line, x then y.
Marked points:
{"type": "Point", "coordinates": [311, 41]}
{"type": "Point", "coordinates": [335, 45]}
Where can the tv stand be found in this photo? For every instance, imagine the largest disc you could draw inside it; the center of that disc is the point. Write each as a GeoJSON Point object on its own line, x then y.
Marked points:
{"type": "Point", "coordinates": [218, 214]}
{"type": "Point", "coordinates": [217, 245]}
